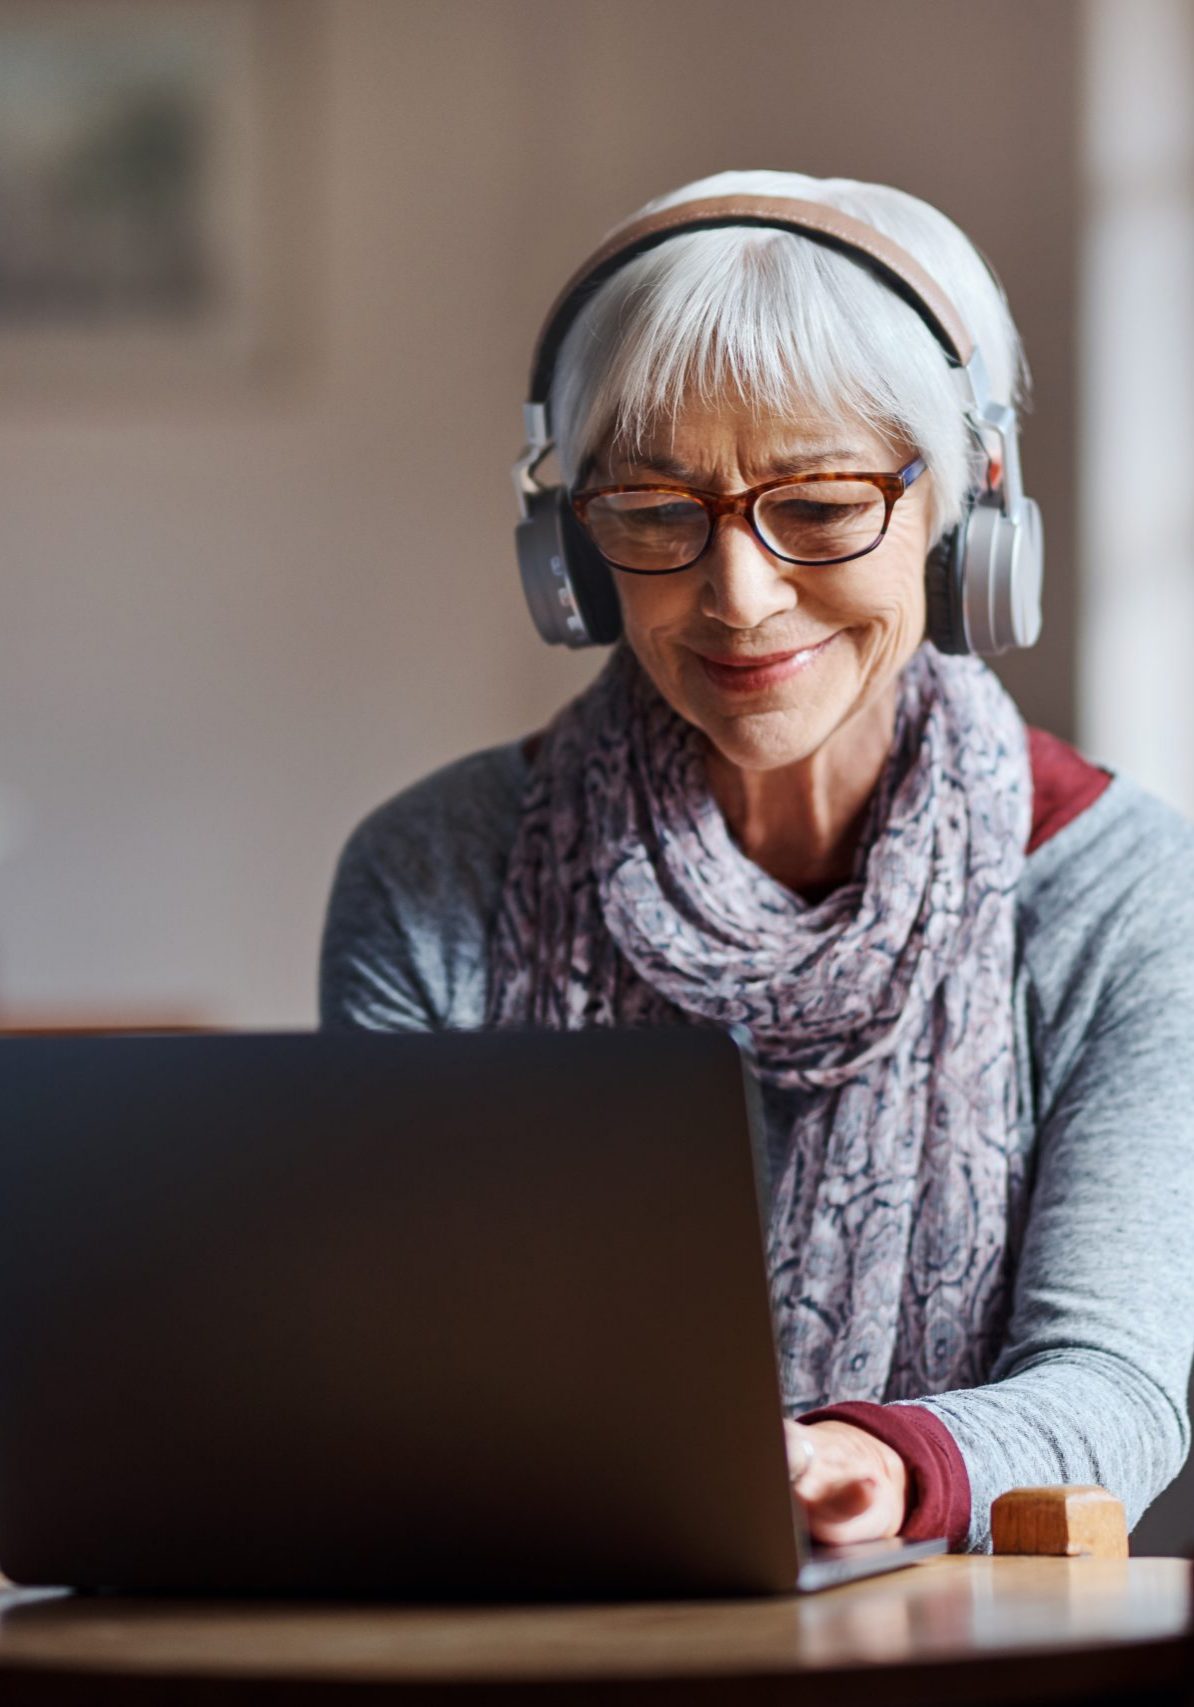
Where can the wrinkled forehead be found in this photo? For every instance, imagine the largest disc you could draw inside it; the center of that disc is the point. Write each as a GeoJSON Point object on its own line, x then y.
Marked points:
{"type": "Point", "coordinates": [706, 440]}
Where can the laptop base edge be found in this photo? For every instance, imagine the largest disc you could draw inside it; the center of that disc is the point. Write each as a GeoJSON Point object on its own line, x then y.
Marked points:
{"type": "Point", "coordinates": [825, 1567]}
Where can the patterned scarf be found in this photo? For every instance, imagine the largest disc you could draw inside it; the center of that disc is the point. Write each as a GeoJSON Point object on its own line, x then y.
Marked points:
{"type": "Point", "coordinates": [884, 1012]}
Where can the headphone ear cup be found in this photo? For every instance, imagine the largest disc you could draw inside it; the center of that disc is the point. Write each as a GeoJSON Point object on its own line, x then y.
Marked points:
{"type": "Point", "coordinates": [945, 622]}
{"type": "Point", "coordinates": [1026, 576]}
{"type": "Point", "coordinates": [567, 583]}
{"type": "Point", "coordinates": [591, 577]}
{"type": "Point", "coordinates": [998, 575]}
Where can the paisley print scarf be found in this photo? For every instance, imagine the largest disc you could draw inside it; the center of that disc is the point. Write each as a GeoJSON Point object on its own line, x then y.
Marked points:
{"type": "Point", "coordinates": [881, 1016]}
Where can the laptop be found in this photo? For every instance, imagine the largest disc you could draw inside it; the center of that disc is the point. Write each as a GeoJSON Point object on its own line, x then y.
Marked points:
{"type": "Point", "coordinates": [467, 1315]}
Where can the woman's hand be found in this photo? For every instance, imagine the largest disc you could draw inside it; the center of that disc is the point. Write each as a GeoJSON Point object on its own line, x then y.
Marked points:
{"type": "Point", "coordinates": [853, 1487]}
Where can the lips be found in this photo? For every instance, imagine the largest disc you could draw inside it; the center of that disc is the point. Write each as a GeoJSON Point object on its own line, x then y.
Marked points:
{"type": "Point", "coordinates": [744, 661]}
{"type": "Point", "coordinates": [745, 675]}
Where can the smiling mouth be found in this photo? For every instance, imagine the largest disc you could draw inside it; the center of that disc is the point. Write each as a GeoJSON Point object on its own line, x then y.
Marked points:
{"type": "Point", "coordinates": [747, 662]}
{"type": "Point", "coordinates": [749, 675]}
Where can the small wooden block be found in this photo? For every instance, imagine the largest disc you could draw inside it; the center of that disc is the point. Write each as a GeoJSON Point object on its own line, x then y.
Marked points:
{"type": "Point", "coordinates": [1075, 1522]}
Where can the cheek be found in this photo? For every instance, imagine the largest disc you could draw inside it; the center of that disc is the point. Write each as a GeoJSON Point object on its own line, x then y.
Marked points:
{"type": "Point", "coordinates": [654, 616]}
{"type": "Point", "coordinates": [654, 604]}
{"type": "Point", "coordinates": [891, 597]}
{"type": "Point", "coordinates": [897, 609]}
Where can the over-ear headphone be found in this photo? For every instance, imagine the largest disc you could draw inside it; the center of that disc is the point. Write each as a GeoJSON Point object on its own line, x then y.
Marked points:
{"type": "Point", "coordinates": [982, 580]}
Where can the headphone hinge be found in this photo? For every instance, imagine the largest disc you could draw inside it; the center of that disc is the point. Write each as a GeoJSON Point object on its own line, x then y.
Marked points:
{"type": "Point", "coordinates": [523, 474]}
{"type": "Point", "coordinates": [537, 423]}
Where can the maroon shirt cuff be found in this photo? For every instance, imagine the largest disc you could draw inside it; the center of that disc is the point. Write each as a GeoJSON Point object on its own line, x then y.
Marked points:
{"type": "Point", "coordinates": [938, 1486]}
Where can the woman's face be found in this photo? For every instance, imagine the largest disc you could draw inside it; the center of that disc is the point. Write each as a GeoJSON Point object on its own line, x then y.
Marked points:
{"type": "Point", "coordinates": [865, 618]}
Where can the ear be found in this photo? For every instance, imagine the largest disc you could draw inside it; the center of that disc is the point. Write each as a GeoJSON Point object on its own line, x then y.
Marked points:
{"type": "Point", "coordinates": [994, 474]}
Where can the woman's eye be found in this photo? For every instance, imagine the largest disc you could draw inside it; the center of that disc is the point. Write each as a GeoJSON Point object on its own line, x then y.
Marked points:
{"type": "Point", "coordinates": [805, 509]}
{"type": "Point", "coordinates": [656, 515]}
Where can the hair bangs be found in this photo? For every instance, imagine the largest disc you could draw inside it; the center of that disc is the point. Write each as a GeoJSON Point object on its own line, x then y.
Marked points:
{"type": "Point", "coordinates": [723, 320]}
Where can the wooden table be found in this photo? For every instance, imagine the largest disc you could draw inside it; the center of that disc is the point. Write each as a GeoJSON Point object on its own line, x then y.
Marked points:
{"type": "Point", "coordinates": [956, 1630]}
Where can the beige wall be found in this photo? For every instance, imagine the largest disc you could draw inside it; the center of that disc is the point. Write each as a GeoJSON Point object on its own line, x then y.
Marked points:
{"type": "Point", "coordinates": [236, 616]}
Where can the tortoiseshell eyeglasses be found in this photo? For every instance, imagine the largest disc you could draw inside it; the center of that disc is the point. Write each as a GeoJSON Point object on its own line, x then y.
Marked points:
{"type": "Point", "coordinates": [802, 518]}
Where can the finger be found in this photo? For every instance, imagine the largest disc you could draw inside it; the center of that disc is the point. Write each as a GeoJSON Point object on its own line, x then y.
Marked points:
{"type": "Point", "coordinates": [841, 1500]}
{"type": "Point", "coordinates": [858, 1510]}
{"type": "Point", "coordinates": [799, 1445]}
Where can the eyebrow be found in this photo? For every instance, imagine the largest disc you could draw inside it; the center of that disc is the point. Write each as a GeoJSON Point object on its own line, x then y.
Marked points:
{"type": "Point", "coordinates": [782, 462]}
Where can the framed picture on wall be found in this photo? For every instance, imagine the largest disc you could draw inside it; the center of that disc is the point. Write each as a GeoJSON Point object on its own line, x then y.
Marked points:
{"type": "Point", "coordinates": [143, 220]}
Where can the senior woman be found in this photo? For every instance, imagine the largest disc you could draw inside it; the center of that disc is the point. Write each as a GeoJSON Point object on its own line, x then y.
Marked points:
{"type": "Point", "coordinates": [961, 950]}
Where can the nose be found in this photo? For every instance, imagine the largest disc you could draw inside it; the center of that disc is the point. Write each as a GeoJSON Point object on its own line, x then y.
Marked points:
{"type": "Point", "coordinates": [743, 583]}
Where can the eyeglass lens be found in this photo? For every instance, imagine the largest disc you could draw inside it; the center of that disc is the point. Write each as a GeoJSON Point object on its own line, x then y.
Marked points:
{"type": "Point", "coordinates": [813, 521]}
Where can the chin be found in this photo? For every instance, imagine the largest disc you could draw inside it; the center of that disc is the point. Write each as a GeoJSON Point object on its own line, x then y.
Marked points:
{"type": "Point", "coordinates": [762, 740]}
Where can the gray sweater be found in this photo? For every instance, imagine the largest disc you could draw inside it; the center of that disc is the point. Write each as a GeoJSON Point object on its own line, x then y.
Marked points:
{"type": "Point", "coordinates": [1091, 1383]}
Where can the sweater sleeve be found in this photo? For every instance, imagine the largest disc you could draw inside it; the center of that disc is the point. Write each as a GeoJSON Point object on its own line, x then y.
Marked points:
{"type": "Point", "coordinates": [1090, 1385]}
{"type": "Point", "coordinates": [413, 898]}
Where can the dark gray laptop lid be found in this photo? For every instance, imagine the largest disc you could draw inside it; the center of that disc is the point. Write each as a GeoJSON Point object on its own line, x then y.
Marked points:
{"type": "Point", "coordinates": [469, 1313]}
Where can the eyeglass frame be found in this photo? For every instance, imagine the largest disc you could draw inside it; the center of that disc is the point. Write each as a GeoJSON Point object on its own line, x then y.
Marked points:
{"type": "Point", "coordinates": [719, 504]}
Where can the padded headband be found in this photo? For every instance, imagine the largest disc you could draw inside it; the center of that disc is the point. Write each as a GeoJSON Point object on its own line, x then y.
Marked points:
{"type": "Point", "coordinates": [815, 220]}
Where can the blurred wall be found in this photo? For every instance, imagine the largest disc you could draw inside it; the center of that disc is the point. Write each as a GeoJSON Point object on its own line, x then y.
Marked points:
{"type": "Point", "coordinates": [1135, 688]}
{"type": "Point", "coordinates": [236, 615]}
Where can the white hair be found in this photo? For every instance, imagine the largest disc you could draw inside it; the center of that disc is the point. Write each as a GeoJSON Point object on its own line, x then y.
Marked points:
{"type": "Point", "coordinates": [774, 319]}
